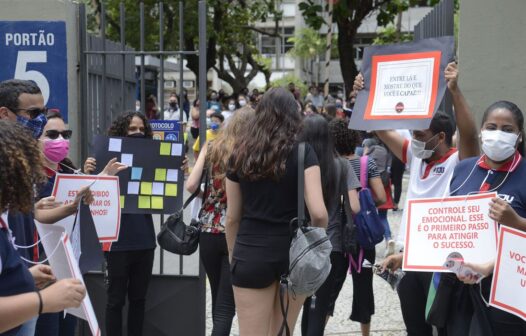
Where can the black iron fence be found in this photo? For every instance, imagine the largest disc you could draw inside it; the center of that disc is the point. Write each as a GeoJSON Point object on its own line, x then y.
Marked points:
{"type": "Point", "coordinates": [110, 83]}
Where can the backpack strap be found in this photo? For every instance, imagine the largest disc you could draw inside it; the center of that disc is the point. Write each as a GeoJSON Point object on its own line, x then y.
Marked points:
{"type": "Point", "coordinates": [301, 184]}
{"type": "Point", "coordinates": [284, 292]}
{"type": "Point", "coordinates": [364, 165]}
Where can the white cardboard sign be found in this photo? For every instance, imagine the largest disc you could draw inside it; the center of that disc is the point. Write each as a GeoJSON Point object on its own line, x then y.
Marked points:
{"type": "Point", "coordinates": [106, 208]}
{"type": "Point", "coordinates": [64, 265]}
{"type": "Point", "coordinates": [438, 226]}
{"type": "Point", "coordinates": [508, 290]}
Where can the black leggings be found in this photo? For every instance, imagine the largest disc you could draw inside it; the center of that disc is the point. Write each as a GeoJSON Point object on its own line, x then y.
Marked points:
{"type": "Point", "coordinates": [128, 272]}
{"type": "Point", "coordinates": [412, 291]}
{"type": "Point", "coordinates": [313, 320]}
{"type": "Point", "coordinates": [397, 173]}
{"type": "Point", "coordinates": [214, 255]}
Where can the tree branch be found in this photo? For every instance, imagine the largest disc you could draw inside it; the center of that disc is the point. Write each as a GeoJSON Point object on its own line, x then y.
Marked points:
{"type": "Point", "coordinates": [262, 32]}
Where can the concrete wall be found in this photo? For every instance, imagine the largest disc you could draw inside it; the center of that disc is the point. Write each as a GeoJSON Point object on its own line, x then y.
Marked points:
{"type": "Point", "coordinates": [55, 10]}
{"type": "Point", "coordinates": [492, 52]}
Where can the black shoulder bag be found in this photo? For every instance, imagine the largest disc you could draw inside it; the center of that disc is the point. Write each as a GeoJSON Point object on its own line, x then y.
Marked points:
{"type": "Point", "coordinates": [177, 237]}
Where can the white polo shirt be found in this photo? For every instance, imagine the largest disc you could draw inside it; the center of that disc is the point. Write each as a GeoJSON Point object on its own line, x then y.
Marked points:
{"type": "Point", "coordinates": [426, 179]}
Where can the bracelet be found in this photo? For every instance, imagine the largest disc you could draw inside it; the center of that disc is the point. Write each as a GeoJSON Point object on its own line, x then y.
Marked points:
{"type": "Point", "coordinates": [40, 303]}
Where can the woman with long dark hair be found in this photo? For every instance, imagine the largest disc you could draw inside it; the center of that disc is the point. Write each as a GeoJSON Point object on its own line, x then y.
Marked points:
{"type": "Point", "coordinates": [262, 185]}
{"type": "Point", "coordinates": [337, 177]}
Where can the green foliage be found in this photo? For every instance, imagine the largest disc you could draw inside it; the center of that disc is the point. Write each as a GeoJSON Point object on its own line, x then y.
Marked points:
{"type": "Point", "coordinates": [230, 34]}
{"type": "Point", "coordinates": [389, 35]}
{"type": "Point", "coordinates": [308, 44]}
{"type": "Point", "coordinates": [264, 62]}
{"type": "Point", "coordinates": [290, 78]}
{"type": "Point", "coordinates": [312, 14]}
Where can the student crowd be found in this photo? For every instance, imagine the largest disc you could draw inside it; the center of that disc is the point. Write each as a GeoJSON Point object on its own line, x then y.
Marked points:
{"type": "Point", "coordinates": [248, 175]}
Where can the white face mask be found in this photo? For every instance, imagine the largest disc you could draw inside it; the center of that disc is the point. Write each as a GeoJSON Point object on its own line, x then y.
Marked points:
{"type": "Point", "coordinates": [231, 107]}
{"type": "Point", "coordinates": [498, 145]}
{"type": "Point", "coordinates": [242, 102]}
{"type": "Point", "coordinates": [419, 148]}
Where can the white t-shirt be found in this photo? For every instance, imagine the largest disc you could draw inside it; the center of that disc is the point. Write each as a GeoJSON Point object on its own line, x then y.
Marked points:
{"type": "Point", "coordinates": [170, 114]}
{"type": "Point", "coordinates": [426, 179]}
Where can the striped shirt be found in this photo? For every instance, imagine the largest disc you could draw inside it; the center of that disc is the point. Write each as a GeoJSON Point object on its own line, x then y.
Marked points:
{"type": "Point", "coordinates": [372, 168]}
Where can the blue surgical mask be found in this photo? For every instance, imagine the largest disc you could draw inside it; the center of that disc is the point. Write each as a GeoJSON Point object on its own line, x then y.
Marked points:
{"type": "Point", "coordinates": [35, 126]}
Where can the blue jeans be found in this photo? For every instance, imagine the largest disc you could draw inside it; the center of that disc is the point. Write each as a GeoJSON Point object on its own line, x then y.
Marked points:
{"type": "Point", "coordinates": [28, 328]}
{"type": "Point", "coordinates": [383, 216]}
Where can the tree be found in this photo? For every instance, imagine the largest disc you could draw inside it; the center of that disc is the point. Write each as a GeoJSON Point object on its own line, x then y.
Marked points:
{"type": "Point", "coordinates": [348, 15]}
{"type": "Point", "coordinates": [308, 45]}
{"type": "Point", "coordinates": [230, 32]}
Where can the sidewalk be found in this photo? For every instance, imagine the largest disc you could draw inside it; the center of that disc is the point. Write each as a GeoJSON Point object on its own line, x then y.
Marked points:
{"type": "Point", "coordinates": [387, 320]}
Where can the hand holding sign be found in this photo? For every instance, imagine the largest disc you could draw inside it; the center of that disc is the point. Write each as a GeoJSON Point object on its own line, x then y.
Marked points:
{"type": "Point", "coordinates": [67, 293]}
{"type": "Point", "coordinates": [42, 274]}
{"type": "Point", "coordinates": [502, 212]}
{"type": "Point", "coordinates": [451, 75]}
{"type": "Point", "coordinates": [113, 168]}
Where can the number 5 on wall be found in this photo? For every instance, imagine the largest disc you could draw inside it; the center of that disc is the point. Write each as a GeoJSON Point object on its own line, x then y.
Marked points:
{"type": "Point", "coordinates": [21, 72]}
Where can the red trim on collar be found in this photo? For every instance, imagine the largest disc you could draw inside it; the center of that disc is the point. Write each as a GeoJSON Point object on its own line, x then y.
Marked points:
{"type": "Point", "coordinates": [511, 165]}
{"type": "Point", "coordinates": [3, 225]}
{"type": "Point", "coordinates": [444, 158]}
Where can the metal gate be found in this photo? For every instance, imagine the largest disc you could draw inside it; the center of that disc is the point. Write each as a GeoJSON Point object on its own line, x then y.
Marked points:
{"type": "Point", "coordinates": [109, 79]}
{"type": "Point", "coordinates": [439, 22]}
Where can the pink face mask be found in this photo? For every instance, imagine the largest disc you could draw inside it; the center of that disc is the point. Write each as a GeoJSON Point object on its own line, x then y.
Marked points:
{"type": "Point", "coordinates": [56, 150]}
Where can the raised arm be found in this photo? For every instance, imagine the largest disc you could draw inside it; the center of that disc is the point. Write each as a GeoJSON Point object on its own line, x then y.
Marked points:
{"type": "Point", "coordinates": [468, 143]}
{"type": "Point", "coordinates": [195, 176]}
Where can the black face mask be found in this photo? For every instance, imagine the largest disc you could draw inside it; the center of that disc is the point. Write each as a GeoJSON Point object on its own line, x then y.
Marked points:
{"type": "Point", "coordinates": [173, 105]}
{"type": "Point", "coordinates": [136, 135]}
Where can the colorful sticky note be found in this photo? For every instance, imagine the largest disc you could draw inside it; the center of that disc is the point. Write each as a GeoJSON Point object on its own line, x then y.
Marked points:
{"type": "Point", "coordinates": [115, 145]}
{"type": "Point", "coordinates": [158, 188]}
{"type": "Point", "coordinates": [136, 173]}
{"type": "Point", "coordinates": [127, 159]}
{"type": "Point", "coordinates": [144, 202]}
{"type": "Point", "coordinates": [160, 174]}
{"type": "Point", "coordinates": [146, 188]}
{"type": "Point", "coordinates": [170, 189]}
{"type": "Point", "coordinates": [157, 202]}
{"type": "Point", "coordinates": [165, 148]}
{"type": "Point", "coordinates": [122, 201]}
{"type": "Point", "coordinates": [172, 175]}
{"type": "Point", "coordinates": [133, 188]}
{"type": "Point", "coordinates": [177, 149]}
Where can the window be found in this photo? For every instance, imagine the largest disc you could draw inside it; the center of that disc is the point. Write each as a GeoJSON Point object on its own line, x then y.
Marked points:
{"type": "Point", "coordinates": [268, 43]}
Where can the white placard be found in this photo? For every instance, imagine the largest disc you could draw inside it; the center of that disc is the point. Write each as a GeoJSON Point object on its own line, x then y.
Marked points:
{"type": "Point", "coordinates": [436, 227]}
{"type": "Point", "coordinates": [508, 290]}
{"type": "Point", "coordinates": [106, 208]}
{"type": "Point", "coordinates": [64, 265]}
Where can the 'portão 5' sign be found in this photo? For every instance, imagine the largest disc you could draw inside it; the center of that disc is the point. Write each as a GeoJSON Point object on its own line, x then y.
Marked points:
{"type": "Point", "coordinates": [36, 50]}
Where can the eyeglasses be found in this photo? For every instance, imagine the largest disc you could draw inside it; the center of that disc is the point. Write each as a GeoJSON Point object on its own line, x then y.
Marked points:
{"type": "Point", "coordinates": [34, 112]}
{"type": "Point", "coordinates": [53, 134]}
